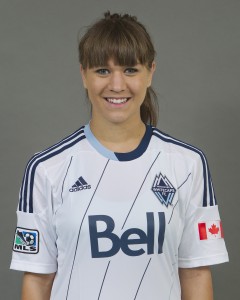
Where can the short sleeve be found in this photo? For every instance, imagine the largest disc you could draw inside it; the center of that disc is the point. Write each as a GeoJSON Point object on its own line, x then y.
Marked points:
{"type": "Point", "coordinates": [34, 245]}
{"type": "Point", "coordinates": [202, 241]}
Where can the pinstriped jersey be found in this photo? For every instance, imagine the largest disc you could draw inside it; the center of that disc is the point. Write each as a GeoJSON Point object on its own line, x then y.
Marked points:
{"type": "Point", "coordinates": [117, 225]}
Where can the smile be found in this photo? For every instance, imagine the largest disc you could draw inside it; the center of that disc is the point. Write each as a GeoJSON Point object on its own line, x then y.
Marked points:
{"type": "Point", "coordinates": [117, 100]}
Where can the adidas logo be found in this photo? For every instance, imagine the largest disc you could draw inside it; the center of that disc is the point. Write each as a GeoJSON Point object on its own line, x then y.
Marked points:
{"type": "Point", "coordinates": [80, 185]}
{"type": "Point", "coordinates": [163, 189]}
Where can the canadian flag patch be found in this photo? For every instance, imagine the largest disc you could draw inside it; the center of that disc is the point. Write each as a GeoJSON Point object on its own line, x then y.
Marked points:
{"type": "Point", "coordinates": [210, 230]}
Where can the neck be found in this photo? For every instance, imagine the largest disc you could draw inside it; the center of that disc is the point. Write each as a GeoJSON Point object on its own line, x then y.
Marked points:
{"type": "Point", "coordinates": [119, 137]}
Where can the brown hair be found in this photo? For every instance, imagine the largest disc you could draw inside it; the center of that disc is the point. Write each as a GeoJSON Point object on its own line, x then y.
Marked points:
{"type": "Point", "coordinates": [126, 41]}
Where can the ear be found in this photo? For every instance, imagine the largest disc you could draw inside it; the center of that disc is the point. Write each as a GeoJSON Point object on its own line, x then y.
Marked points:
{"type": "Point", "coordinates": [151, 72]}
{"type": "Point", "coordinates": [83, 75]}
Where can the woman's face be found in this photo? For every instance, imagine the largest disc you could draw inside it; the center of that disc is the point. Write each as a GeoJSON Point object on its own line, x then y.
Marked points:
{"type": "Point", "coordinates": [117, 92]}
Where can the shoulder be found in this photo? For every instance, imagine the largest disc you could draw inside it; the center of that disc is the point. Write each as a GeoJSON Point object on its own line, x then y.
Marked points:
{"type": "Point", "coordinates": [49, 161]}
{"type": "Point", "coordinates": [182, 155]}
{"type": "Point", "coordinates": [172, 146]}
{"type": "Point", "coordinates": [58, 152]}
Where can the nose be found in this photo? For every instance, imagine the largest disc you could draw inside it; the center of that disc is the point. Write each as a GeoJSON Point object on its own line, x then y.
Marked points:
{"type": "Point", "coordinates": [117, 82]}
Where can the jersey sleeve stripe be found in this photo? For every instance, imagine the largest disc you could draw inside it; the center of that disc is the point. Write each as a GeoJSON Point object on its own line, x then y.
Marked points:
{"type": "Point", "coordinates": [24, 188]}
{"type": "Point", "coordinates": [213, 192]}
{"type": "Point", "coordinates": [34, 169]}
{"type": "Point", "coordinates": [26, 192]}
{"type": "Point", "coordinates": [206, 173]}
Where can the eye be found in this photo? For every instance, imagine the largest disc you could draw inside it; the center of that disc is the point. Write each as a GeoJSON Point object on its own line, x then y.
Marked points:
{"type": "Point", "coordinates": [131, 70]}
{"type": "Point", "coordinates": [102, 71]}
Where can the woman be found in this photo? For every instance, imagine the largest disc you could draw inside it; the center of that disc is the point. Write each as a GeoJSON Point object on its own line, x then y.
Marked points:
{"type": "Point", "coordinates": [118, 210]}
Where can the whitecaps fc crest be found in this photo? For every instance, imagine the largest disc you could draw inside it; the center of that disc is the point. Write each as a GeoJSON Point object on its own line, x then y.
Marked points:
{"type": "Point", "coordinates": [163, 189]}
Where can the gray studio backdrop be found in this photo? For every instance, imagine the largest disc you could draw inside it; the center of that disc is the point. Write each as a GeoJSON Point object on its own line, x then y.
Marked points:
{"type": "Point", "coordinates": [197, 81]}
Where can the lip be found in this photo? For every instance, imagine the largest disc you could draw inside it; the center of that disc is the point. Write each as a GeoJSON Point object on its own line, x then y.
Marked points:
{"type": "Point", "coordinates": [117, 100]}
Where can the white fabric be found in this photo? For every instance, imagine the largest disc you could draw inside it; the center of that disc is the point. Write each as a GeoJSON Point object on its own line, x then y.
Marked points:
{"type": "Point", "coordinates": [103, 239]}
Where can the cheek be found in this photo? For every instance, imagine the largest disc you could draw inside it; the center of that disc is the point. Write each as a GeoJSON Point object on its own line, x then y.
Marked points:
{"type": "Point", "coordinates": [93, 88]}
{"type": "Point", "coordinates": [139, 88]}
{"type": "Point", "coordinates": [95, 93]}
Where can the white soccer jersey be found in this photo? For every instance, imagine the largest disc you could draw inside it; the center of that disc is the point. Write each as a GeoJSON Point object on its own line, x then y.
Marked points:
{"type": "Point", "coordinates": [117, 225]}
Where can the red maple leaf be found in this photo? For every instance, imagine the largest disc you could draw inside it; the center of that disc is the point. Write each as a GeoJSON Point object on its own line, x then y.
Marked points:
{"type": "Point", "coordinates": [213, 229]}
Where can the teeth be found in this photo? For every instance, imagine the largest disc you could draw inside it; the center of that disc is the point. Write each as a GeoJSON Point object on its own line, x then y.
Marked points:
{"type": "Point", "coordinates": [117, 101]}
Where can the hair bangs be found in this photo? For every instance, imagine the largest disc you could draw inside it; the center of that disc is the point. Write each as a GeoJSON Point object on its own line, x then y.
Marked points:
{"type": "Point", "coordinates": [124, 45]}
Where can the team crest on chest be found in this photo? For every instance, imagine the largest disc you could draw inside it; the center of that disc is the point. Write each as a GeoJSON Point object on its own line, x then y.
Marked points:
{"type": "Point", "coordinates": [163, 189]}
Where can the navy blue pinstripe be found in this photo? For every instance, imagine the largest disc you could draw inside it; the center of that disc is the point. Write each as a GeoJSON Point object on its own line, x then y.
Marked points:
{"type": "Point", "coordinates": [28, 181]}
{"type": "Point", "coordinates": [65, 177]}
{"type": "Point", "coordinates": [140, 189]}
{"type": "Point", "coordinates": [142, 279]}
{"type": "Point", "coordinates": [80, 228]}
{"type": "Point", "coordinates": [206, 172]}
{"type": "Point", "coordinates": [103, 279]}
